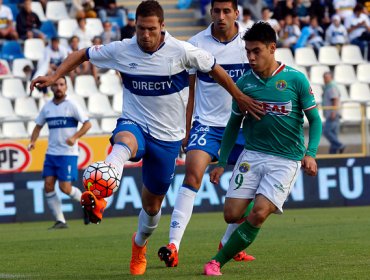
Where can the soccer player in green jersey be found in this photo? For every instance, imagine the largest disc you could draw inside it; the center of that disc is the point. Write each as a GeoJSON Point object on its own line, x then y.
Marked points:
{"type": "Point", "coordinates": [274, 150]}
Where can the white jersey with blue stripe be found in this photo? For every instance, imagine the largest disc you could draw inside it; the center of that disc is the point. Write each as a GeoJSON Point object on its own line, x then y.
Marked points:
{"type": "Point", "coordinates": [212, 101]}
{"type": "Point", "coordinates": [62, 120]}
{"type": "Point", "coordinates": [155, 85]}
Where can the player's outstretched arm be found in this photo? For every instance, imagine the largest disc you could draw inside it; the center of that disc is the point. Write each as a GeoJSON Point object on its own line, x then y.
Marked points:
{"type": "Point", "coordinates": [189, 109]}
{"type": "Point", "coordinates": [70, 63]}
{"type": "Point", "coordinates": [81, 132]}
{"type": "Point", "coordinates": [245, 103]}
{"type": "Point", "coordinates": [35, 134]}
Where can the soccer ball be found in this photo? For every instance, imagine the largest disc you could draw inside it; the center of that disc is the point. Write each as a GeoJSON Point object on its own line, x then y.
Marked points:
{"type": "Point", "coordinates": [101, 178]}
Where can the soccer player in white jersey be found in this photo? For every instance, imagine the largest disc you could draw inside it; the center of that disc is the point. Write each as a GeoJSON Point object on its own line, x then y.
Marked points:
{"type": "Point", "coordinates": [153, 66]}
{"type": "Point", "coordinates": [223, 38]}
{"type": "Point", "coordinates": [62, 116]}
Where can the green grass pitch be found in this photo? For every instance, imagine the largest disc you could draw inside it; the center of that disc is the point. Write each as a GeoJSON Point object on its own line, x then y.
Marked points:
{"type": "Point", "coordinates": [330, 243]}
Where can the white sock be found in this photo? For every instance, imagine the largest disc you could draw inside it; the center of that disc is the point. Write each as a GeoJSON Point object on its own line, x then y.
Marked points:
{"type": "Point", "coordinates": [55, 206]}
{"type": "Point", "coordinates": [119, 155]}
{"type": "Point", "coordinates": [229, 231]}
{"type": "Point", "coordinates": [181, 214]}
{"type": "Point", "coordinates": [147, 224]}
{"type": "Point", "coordinates": [75, 194]}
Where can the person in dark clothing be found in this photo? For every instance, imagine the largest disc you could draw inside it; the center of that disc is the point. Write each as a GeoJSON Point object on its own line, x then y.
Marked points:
{"type": "Point", "coordinates": [128, 31]}
{"type": "Point", "coordinates": [324, 10]}
{"type": "Point", "coordinates": [28, 23]}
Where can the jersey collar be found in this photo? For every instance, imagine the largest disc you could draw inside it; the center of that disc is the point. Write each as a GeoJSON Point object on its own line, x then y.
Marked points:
{"type": "Point", "coordinates": [166, 36]}
{"type": "Point", "coordinates": [208, 32]}
{"type": "Point", "coordinates": [277, 71]}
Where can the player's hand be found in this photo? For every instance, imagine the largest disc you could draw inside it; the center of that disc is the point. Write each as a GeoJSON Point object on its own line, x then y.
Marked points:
{"type": "Point", "coordinates": [184, 144]}
{"type": "Point", "coordinates": [70, 141]}
{"type": "Point", "coordinates": [309, 166]}
{"type": "Point", "coordinates": [251, 106]}
{"type": "Point", "coordinates": [216, 174]}
{"type": "Point", "coordinates": [31, 146]}
{"type": "Point", "coordinates": [42, 82]}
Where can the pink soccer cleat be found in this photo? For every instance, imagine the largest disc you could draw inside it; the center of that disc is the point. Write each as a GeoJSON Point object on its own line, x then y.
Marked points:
{"type": "Point", "coordinates": [212, 268]}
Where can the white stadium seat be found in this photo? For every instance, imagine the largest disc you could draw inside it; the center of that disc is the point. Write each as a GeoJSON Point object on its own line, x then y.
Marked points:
{"type": "Point", "coordinates": [85, 85]}
{"type": "Point", "coordinates": [94, 26]}
{"type": "Point", "coordinates": [13, 88]}
{"type": "Point", "coordinates": [317, 92]}
{"type": "Point", "coordinates": [305, 57]}
{"type": "Point", "coordinates": [351, 113]}
{"type": "Point", "coordinates": [14, 130]}
{"type": "Point", "coordinates": [108, 124]}
{"type": "Point", "coordinates": [344, 74]}
{"type": "Point", "coordinates": [351, 54]}
{"type": "Point", "coordinates": [363, 72]}
{"type": "Point", "coordinates": [56, 10]}
{"type": "Point", "coordinates": [66, 27]}
{"type": "Point", "coordinates": [317, 72]}
{"type": "Point", "coordinates": [344, 97]}
{"type": "Point", "coordinates": [285, 56]}
{"type": "Point", "coordinates": [359, 92]}
{"type": "Point", "coordinates": [34, 48]}
{"type": "Point", "coordinates": [79, 99]}
{"type": "Point", "coordinates": [44, 130]}
{"type": "Point", "coordinates": [329, 55]}
{"type": "Point", "coordinates": [110, 84]}
{"type": "Point", "coordinates": [26, 107]}
{"type": "Point", "coordinates": [18, 66]}
{"type": "Point", "coordinates": [7, 111]}
{"type": "Point", "coordinates": [95, 127]}
{"type": "Point", "coordinates": [98, 105]}
{"type": "Point", "coordinates": [117, 103]}
{"type": "Point", "coordinates": [36, 7]}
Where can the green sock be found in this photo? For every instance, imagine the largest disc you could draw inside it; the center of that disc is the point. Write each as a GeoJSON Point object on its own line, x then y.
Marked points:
{"type": "Point", "coordinates": [249, 209]}
{"type": "Point", "coordinates": [241, 238]}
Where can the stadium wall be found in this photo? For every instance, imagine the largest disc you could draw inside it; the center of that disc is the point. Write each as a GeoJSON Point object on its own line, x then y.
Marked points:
{"type": "Point", "coordinates": [340, 182]}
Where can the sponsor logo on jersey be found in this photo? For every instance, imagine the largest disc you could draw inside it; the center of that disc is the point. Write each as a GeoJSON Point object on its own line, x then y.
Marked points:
{"type": "Point", "coordinates": [202, 128]}
{"type": "Point", "coordinates": [281, 85]}
{"type": "Point", "coordinates": [133, 65]}
{"type": "Point", "coordinates": [175, 224]}
{"type": "Point", "coordinates": [279, 187]}
{"type": "Point", "coordinates": [277, 108]}
{"type": "Point", "coordinates": [244, 167]}
{"type": "Point", "coordinates": [249, 86]}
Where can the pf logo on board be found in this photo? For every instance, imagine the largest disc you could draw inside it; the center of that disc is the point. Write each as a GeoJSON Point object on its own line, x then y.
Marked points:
{"type": "Point", "coordinates": [13, 158]}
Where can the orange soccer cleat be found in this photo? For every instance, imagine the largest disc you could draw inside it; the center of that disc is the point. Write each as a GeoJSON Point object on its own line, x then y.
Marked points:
{"type": "Point", "coordinates": [138, 258]}
{"type": "Point", "coordinates": [242, 256]}
{"type": "Point", "coordinates": [93, 206]}
{"type": "Point", "coordinates": [169, 255]}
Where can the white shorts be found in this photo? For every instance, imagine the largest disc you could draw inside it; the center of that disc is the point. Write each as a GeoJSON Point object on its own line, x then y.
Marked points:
{"type": "Point", "coordinates": [259, 173]}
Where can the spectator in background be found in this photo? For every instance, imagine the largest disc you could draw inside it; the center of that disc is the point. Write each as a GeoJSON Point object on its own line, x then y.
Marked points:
{"type": "Point", "coordinates": [7, 30]}
{"type": "Point", "coordinates": [336, 34]}
{"type": "Point", "coordinates": [28, 23]}
{"type": "Point", "coordinates": [110, 33]}
{"type": "Point", "coordinates": [83, 9]}
{"type": "Point", "coordinates": [109, 8]}
{"type": "Point", "coordinates": [83, 34]}
{"type": "Point", "coordinates": [331, 97]}
{"type": "Point", "coordinates": [128, 31]}
{"type": "Point", "coordinates": [246, 21]}
{"type": "Point", "coordinates": [302, 10]}
{"type": "Point", "coordinates": [311, 36]}
{"type": "Point", "coordinates": [323, 10]}
{"type": "Point", "coordinates": [255, 6]}
{"type": "Point", "coordinates": [283, 8]}
{"type": "Point", "coordinates": [358, 28]}
{"type": "Point", "coordinates": [290, 32]}
{"type": "Point", "coordinates": [266, 17]}
{"type": "Point", "coordinates": [344, 8]}
{"type": "Point", "coordinates": [54, 55]}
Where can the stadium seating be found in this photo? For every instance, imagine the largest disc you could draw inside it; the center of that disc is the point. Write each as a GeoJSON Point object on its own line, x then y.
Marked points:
{"type": "Point", "coordinates": [344, 97]}
{"type": "Point", "coordinates": [98, 105]}
{"type": "Point", "coordinates": [48, 29]}
{"type": "Point", "coordinates": [363, 72]}
{"type": "Point", "coordinates": [7, 111]}
{"type": "Point", "coordinates": [56, 10]}
{"type": "Point", "coordinates": [117, 103]}
{"type": "Point", "coordinates": [285, 56]}
{"type": "Point", "coordinates": [66, 27]}
{"type": "Point", "coordinates": [79, 99]}
{"type": "Point", "coordinates": [18, 66]}
{"type": "Point", "coordinates": [317, 72]}
{"type": "Point", "coordinates": [359, 92]}
{"type": "Point", "coordinates": [351, 54]}
{"type": "Point", "coordinates": [25, 107]}
{"type": "Point", "coordinates": [34, 48]}
{"type": "Point", "coordinates": [85, 85]}
{"type": "Point", "coordinates": [108, 124]}
{"type": "Point", "coordinates": [95, 127]}
{"type": "Point", "coordinates": [5, 71]}
{"type": "Point", "coordinates": [351, 113]}
{"type": "Point", "coordinates": [70, 87]}
{"type": "Point", "coordinates": [36, 7]}
{"type": "Point", "coordinates": [94, 26]}
{"type": "Point", "coordinates": [317, 92]}
{"type": "Point", "coordinates": [13, 88]}
{"type": "Point", "coordinates": [110, 84]}
{"type": "Point", "coordinates": [329, 55]}
{"type": "Point", "coordinates": [11, 50]}
{"type": "Point", "coordinates": [344, 74]}
{"type": "Point", "coordinates": [14, 130]}
{"type": "Point", "coordinates": [305, 57]}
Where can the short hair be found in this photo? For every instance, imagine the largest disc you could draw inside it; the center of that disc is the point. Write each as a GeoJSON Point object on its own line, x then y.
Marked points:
{"type": "Point", "coordinates": [233, 2]}
{"type": "Point", "coordinates": [62, 77]}
{"type": "Point", "coordinates": [262, 32]}
{"type": "Point", "coordinates": [150, 8]}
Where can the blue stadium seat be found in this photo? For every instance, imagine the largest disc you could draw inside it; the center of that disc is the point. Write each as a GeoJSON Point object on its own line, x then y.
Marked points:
{"type": "Point", "coordinates": [48, 28]}
{"type": "Point", "coordinates": [118, 21]}
{"type": "Point", "coordinates": [11, 50]}
{"type": "Point", "coordinates": [14, 7]}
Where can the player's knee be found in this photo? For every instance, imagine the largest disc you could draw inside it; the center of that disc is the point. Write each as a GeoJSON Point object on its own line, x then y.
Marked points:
{"type": "Point", "coordinates": [193, 180]}
{"type": "Point", "coordinates": [232, 216]}
{"type": "Point", "coordinates": [258, 215]}
{"type": "Point", "coordinates": [152, 210]}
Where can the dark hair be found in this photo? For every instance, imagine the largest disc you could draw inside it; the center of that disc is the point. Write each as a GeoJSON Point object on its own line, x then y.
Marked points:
{"type": "Point", "coordinates": [358, 8]}
{"type": "Point", "coordinates": [150, 8]}
{"type": "Point", "coordinates": [247, 12]}
{"type": "Point", "coordinates": [233, 2]}
{"type": "Point", "coordinates": [262, 32]}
